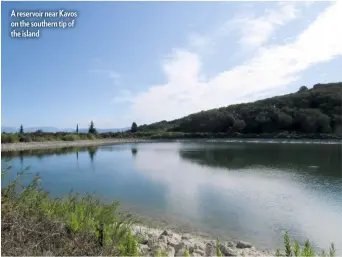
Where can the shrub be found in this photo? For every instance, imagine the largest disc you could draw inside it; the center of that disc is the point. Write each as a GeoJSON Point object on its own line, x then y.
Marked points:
{"type": "Point", "coordinates": [308, 251]}
{"type": "Point", "coordinates": [9, 138]}
{"type": "Point", "coordinates": [33, 223]}
{"type": "Point", "coordinates": [70, 137]}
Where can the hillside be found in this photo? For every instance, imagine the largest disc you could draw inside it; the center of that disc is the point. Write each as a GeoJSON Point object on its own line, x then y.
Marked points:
{"type": "Point", "coordinates": [315, 110]}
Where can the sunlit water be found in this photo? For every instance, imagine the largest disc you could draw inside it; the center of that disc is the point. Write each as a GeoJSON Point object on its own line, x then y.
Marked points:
{"type": "Point", "coordinates": [234, 190]}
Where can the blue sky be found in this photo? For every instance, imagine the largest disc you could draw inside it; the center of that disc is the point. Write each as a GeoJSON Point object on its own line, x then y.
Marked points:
{"type": "Point", "coordinates": [150, 61]}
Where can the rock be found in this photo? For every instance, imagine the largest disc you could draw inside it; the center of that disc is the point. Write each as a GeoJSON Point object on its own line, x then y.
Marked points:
{"type": "Point", "coordinates": [142, 237]}
{"type": "Point", "coordinates": [199, 246]}
{"type": "Point", "coordinates": [242, 244]}
{"type": "Point", "coordinates": [143, 249]}
{"type": "Point", "coordinates": [167, 232]}
{"type": "Point", "coordinates": [163, 239]}
{"type": "Point", "coordinates": [159, 246]}
{"type": "Point", "coordinates": [210, 249]}
{"type": "Point", "coordinates": [173, 241]}
{"type": "Point", "coordinates": [170, 251]}
{"type": "Point", "coordinates": [198, 252]}
{"type": "Point", "coordinates": [185, 245]}
{"type": "Point", "coordinates": [231, 244]}
{"type": "Point", "coordinates": [180, 252]}
{"type": "Point", "coordinates": [152, 241]}
{"type": "Point", "coordinates": [186, 237]}
{"type": "Point", "coordinates": [226, 251]}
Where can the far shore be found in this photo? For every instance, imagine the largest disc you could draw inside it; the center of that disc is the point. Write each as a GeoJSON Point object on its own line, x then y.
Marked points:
{"type": "Point", "coordinates": [64, 144]}
{"type": "Point", "coordinates": [22, 146]}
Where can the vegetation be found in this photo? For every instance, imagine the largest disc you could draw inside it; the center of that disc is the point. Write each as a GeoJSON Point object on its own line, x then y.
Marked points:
{"type": "Point", "coordinates": [21, 130]}
{"type": "Point", "coordinates": [35, 224]}
{"type": "Point", "coordinates": [218, 251]}
{"type": "Point", "coordinates": [309, 111]}
{"type": "Point", "coordinates": [307, 251]}
{"type": "Point", "coordinates": [134, 127]}
{"type": "Point", "coordinates": [92, 129]}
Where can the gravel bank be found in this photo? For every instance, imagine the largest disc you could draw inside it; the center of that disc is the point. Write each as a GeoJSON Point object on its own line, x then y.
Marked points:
{"type": "Point", "coordinates": [63, 144]}
{"type": "Point", "coordinates": [169, 243]}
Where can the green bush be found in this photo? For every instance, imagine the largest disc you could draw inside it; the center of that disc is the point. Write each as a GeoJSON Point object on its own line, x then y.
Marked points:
{"type": "Point", "coordinates": [96, 228]}
{"type": "Point", "coordinates": [70, 137]}
{"type": "Point", "coordinates": [9, 138]}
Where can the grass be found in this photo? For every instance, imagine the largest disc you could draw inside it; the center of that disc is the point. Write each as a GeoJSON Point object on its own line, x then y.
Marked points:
{"type": "Point", "coordinates": [33, 223]}
{"type": "Point", "coordinates": [307, 251]}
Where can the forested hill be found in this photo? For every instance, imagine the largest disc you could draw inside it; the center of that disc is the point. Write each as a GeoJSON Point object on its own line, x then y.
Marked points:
{"type": "Point", "coordinates": [315, 110]}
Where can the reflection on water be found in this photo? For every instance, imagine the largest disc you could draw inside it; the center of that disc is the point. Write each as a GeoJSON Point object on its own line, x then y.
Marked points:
{"type": "Point", "coordinates": [253, 192]}
{"type": "Point", "coordinates": [134, 151]}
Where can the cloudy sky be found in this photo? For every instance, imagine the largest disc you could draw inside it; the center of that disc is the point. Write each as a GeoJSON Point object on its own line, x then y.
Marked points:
{"type": "Point", "coordinates": [152, 61]}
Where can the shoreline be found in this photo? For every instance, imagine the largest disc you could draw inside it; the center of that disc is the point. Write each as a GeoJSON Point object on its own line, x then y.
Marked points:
{"type": "Point", "coordinates": [8, 147]}
{"type": "Point", "coordinates": [173, 243]}
{"type": "Point", "coordinates": [22, 146]}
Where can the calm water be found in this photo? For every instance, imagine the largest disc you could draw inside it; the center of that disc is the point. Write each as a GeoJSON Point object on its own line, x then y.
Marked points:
{"type": "Point", "coordinates": [249, 191]}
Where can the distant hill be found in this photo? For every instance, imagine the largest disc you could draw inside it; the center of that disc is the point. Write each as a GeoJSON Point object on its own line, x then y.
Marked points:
{"type": "Point", "coordinates": [315, 110]}
{"type": "Point", "coordinates": [54, 129]}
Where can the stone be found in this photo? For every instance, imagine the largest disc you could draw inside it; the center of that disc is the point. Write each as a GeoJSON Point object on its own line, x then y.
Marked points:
{"type": "Point", "coordinates": [173, 241]}
{"type": "Point", "coordinates": [159, 246]}
{"type": "Point", "coordinates": [167, 232]}
{"type": "Point", "coordinates": [170, 251]}
{"type": "Point", "coordinates": [142, 237]}
{"type": "Point", "coordinates": [163, 239]}
{"type": "Point", "coordinates": [199, 246]}
{"type": "Point", "coordinates": [152, 240]}
{"type": "Point", "coordinates": [198, 252]}
{"type": "Point", "coordinates": [231, 244]}
{"type": "Point", "coordinates": [185, 245]}
{"type": "Point", "coordinates": [226, 251]}
{"type": "Point", "coordinates": [143, 249]}
{"type": "Point", "coordinates": [180, 252]}
{"type": "Point", "coordinates": [210, 249]}
{"type": "Point", "coordinates": [242, 244]}
{"type": "Point", "coordinates": [186, 237]}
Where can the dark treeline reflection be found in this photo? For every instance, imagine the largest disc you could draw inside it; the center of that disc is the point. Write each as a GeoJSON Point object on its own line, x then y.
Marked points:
{"type": "Point", "coordinates": [134, 151]}
{"type": "Point", "coordinates": [324, 159]}
{"type": "Point", "coordinates": [42, 153]}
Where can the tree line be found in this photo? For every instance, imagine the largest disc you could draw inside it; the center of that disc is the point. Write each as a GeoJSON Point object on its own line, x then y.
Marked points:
{"type": "Point", "coordinates": [316, 110]}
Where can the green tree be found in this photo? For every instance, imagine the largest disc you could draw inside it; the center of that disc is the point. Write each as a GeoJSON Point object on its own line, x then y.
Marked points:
{"type": "Point", "coordinates": [134, 127]}
{"type": "Point", "coordinates": [92, 129]}
{"type": "Point", "coordinates": [239, 125]}
{"type": "Point", "coordinates": [302, 89]}
{"type": "Point", "coordinates": [77, 129]}
{"type": "Point", "coordinates": [21, 130]}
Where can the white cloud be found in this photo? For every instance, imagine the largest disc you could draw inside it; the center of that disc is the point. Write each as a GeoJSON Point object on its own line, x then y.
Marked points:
{"type": "Point", "coordinates": [200, 42]}
{"type": "Point", "coordinates": [256, 31]}
{"type": "Point", "coordinates": [269, 71]}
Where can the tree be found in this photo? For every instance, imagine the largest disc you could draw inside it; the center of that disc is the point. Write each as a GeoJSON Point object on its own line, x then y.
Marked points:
{"type": "Point", "coordinates": [134, 127]}
{"type": "Point", "coordinates": [77, 128]}
{"type": "Point", "coordinates": [239, 125]}
{"type": "Point", "coordinates": [92, 129]}
{"type": "Point", "coordinates": [302, 89]}
{"type": "Point", "coordinates": [284, 120]}
{"type": "Point", "coordinates": [21, 130]}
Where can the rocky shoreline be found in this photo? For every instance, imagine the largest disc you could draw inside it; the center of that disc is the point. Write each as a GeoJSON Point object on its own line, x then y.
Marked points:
{"type": "Point", "coordinates": [154, 242]}
{"type": "Point", "coordinates": [64, 144]}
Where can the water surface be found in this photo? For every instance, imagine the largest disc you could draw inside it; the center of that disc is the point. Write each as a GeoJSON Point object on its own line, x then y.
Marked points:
{"type": "Point", "coordinates": [234, 190]}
